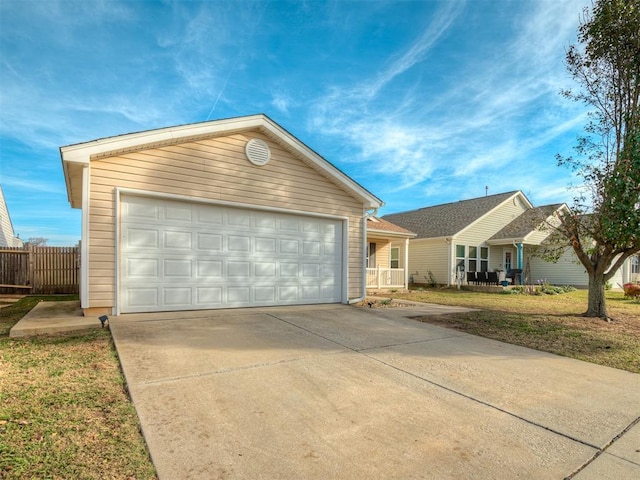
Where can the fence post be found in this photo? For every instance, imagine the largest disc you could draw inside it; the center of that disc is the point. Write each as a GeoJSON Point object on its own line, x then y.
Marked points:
{"type": "Point", "coordinates": [31, 274]}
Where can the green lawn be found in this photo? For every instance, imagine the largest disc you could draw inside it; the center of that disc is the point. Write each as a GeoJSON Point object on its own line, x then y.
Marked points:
{"type": "Point", "coordinates": [65, 411]}
{"type": "Point", "coordinates": [551, 323]}
{"type": "Point", "coordinates": [64, 408]}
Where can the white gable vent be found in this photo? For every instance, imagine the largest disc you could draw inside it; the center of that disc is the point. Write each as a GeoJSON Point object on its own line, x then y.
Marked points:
{"type": "Point", "coordinates": [257, 152]}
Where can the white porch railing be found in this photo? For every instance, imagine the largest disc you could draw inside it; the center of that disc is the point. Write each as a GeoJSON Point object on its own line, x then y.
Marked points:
{"type": "Point", "coordinates": [385, 277]}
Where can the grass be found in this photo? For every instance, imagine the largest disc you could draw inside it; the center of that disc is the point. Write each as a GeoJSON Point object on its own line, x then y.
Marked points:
{"type": "Point", "coordinates": [65, 411]}
{"type": "Point", "coordinates": [64, 407]}
{"type": "Point", "coordinates": [551, 323]}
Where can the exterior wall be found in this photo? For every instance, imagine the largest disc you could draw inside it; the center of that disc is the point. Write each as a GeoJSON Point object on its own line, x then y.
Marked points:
{"type": "Point", "coordinates": [567, 271]}
{"type": "Point", "coordinates": [212, 169]}
{"type": "Point", "coordinates": [477, 234]}
{"type": "Point", "coordinates": [428, 255]}
{"type": "Point", "coordinates": [383, 251]}
{"type": "Point", "coordinates": [7, 236]}
{"type": "Point", "coordinates": [492, 223]}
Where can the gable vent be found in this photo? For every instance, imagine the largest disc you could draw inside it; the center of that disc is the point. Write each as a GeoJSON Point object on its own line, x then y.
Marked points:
{"type": "Point", "coordinates": [257, 152]}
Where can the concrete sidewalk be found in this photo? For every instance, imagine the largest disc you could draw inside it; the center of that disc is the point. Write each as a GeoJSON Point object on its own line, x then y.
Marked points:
{"type": "Point", "coordinates": [53, 317]}
{"type": "Point", "coordinates": [342, 392]}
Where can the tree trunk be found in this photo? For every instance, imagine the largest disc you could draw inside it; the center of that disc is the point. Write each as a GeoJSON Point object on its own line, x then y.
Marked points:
{"type": "Point", "coordinates": [596, 306]}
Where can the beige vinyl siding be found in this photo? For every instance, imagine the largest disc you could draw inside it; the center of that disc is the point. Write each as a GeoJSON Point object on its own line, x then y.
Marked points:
{"type": "Point", "coordinates": [480, 231]}
{"type": "Point", "coordinates": [383, 251]}
{"type": "Point", "coordinates": [495, 257]}
{"type": "Point", "coordinates": [567, 271]}
{"type": "Point", "coordinates": [428, 255]}
{"type": "Point", "coordinates": [212, 169]}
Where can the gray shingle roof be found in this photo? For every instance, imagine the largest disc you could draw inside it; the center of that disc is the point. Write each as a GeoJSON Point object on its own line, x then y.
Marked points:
{"type": "Point", "coordinates": [527, 222]}
{"type": "Point", "coordinates": [447, 219]}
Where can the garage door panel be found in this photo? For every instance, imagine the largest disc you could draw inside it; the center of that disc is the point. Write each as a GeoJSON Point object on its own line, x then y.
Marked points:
{"type": "Point", "coordinates": [177, 239]}
{"type": "Point", "coordinates": [209, 242]}
{"type": "Point", "coordinates": [142, 238]}
{"type": "Point", "coordinates": [178, 256]}
{"type": "Point", "coordinates": [206, 296]}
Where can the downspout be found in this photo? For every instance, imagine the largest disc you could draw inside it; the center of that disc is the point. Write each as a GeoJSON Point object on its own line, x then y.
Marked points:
{"type": "Point", "coordinates": [406, 263]}
{"type": "Point", "coordinates": [367, 213]}
{"type": "Point", "coordinates": [448, 242]}
{"type": "Point", "coordinates": [84, 244]}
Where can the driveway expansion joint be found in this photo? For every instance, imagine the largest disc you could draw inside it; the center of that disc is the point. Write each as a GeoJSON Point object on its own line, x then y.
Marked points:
{"type": "Point", "coordinates": [431, 382]}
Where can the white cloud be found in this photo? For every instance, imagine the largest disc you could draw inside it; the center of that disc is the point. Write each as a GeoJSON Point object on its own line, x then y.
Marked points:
{"type": "Point", "coordinates": [496, 111]}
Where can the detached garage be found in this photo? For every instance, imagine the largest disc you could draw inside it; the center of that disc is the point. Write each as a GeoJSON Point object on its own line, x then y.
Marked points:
{"type": "Point", "coordinates": [222, 214]}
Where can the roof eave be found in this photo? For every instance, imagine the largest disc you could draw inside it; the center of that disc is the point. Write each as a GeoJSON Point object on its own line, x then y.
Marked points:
{"type": "Point", "coordinates": [82, 153]}
{"type": "Point", "coordinates": [389, 233]}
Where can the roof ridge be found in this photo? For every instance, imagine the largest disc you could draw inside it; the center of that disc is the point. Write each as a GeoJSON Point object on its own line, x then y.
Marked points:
{"type": "Point", "coordinates": [455, 202]}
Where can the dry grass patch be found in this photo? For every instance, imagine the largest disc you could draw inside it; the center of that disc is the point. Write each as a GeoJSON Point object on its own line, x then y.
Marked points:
{"type": "Point", "coordinates": [550, 323]}
{"type": "Point", "coordinates": [65, 411]}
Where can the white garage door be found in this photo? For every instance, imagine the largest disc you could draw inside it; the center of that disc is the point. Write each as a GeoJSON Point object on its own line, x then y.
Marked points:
{"type": "Point", "coordinates": [187, 256]}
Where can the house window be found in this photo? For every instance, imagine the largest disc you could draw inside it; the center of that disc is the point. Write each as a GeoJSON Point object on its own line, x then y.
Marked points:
{"type": "Point", "coordinates": [484, 259]}
{"type": "Point", "coordinates": [395, 257]}
{"type": "Point", "coordinates": [460, 257]}
{"type": "Point", "coordinates": [473, 259]}
{"type": "Point", "coordinates": [635, 264]}
{"type": "Point", "coordinates": [371, 255]}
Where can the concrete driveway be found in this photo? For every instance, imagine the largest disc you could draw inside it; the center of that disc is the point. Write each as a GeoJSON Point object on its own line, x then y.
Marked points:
{"type": "Point", "coordinates": [339, 392]}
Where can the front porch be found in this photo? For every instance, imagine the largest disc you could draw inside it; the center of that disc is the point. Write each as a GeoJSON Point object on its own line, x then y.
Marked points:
{"type": "Point", "coordinates": [380, 277]}
{"type": "Point", "coordinates": [387, 255]}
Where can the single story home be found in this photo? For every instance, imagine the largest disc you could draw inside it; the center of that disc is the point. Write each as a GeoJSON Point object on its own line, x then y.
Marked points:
{"type": "Point", "coordinates": [227, 213]}
{"type": "Point", "coordinates": [460, 241]}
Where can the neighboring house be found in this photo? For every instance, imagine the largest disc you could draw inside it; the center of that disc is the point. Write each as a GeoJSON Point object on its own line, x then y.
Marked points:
{"type": "Point", "coordinates": [495, 233]}
{"type": "Point", "coordinates": [387, 254]}
{"type": "Point", "coordinates": [7, 235]}
{"type": "Point", "coordinates": [228, 213]}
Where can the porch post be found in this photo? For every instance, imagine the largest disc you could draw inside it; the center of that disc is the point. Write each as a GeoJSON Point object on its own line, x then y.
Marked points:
{"type": "Point", "coordinates": [378, 275]}
{"type": "Point", "coordinates": [520, 263]}
{"type": "Point", "coordinates": [406, 263]}
{"type": "Point", "coordinates": [520, 256]}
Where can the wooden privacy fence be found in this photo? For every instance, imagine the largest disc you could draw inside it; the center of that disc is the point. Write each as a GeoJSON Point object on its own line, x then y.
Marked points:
{"type": "Point", "coordinates": [42, 270]}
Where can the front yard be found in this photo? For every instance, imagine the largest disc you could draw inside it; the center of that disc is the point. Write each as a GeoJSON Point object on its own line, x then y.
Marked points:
{"type": "Point", "coordinates": [551, 323]}
{"type": "Point", "coordinates": [65, 411]}
{"type": "Point", "coordinates": [64, 408]}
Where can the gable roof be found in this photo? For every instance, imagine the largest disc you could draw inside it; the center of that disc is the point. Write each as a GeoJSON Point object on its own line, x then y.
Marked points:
{"type": "Point", "coordinates": [76, 157]}
{"type": "Point", "coordinates": [379, 225]}
{"type": "Point", "coordinates": [526, 223]}
{"type": "Point", "coordinates": [448, 219]}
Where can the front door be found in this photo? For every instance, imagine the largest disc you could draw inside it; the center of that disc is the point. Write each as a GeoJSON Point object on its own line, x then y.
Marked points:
{"type": "Point", "coordinates": [507, 259]}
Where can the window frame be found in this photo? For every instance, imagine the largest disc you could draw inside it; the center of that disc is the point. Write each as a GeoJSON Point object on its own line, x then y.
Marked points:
{"type": "Point", "coordinates": [391, 259]}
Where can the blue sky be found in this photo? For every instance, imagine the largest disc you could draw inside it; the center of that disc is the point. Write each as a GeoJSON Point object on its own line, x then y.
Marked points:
{"type": "Point", "coordinates": [421, 102]}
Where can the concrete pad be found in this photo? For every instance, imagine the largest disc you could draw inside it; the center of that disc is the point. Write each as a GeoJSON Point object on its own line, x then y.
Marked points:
{"type": "Point", "coordinates": [628, 445]}
{"type": "Point", "coordinates": [362, 328]}
{"type": "Point", "coordinates": [338, 416]}
{"type": "Point", "coordinates": [341, 392]}
{"type": "Point", "coordinates": [205, 345]}
{"type": "Point", "coordinates": [609, 467]}
{"type": "Point", "coordinates": [588, 402]}
{"type": "Point", "coordinates": [53, 317]}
